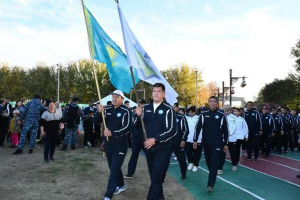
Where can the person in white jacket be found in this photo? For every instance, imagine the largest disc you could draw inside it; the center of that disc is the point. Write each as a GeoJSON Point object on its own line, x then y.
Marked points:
{"type": "Point", "coordinates": [231, 120]}
{"type": "Point", "coordinates": [241, 133]}
{"type": "Point", "coordinates": [193, 155]}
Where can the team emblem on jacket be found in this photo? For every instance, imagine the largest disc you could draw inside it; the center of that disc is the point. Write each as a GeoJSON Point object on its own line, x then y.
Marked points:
{"type": "Point", "coordinates": [160, 112]}
{"type": "Point", "coordinates": [253, 114]}
{"type": "Point", "coordinates": [266, 117]}
{"type": "Point", "coordinates": [217, 117]}
{"type": "Point", "coordinates": [119, 115]}
{"type": "Point", "coordinates": [177, 120]}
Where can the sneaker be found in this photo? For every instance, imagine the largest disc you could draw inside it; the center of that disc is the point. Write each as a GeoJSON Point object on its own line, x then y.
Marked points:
{"type": "Point", "coordinates": [18, 151]}
{"type": "Point", "coordinates": [210, 189]}
{"type": "Point", "coordinates": [234, 168]}
{"type": "Point", "coordinates": [220, 172]}
{"type": "Point", "coordinates": [106, 198]}
{"type": "Point", "coordinates": [73, 147]}
{"type": "Point", "coordinates": [190, 167]}
{"type": "Point", "coordinates": [175, 158]}
{"type": "Point", "coordinates": [128, 176]}
{"type": "Point", "coordinates": [183, 177]}
{"type": "Point", "coordinates": [249, 158]}
{"type": "Point", "coordinates": [85, 147]}
{"type": "Point", "coordinates": [120, 189]}
{"type": "Point", "coordinates": [195, 169]}
{"type": "Point", "coordinates": [51, 158]}
{"type": "Point", "coordinates": [89, 144]}
{"type": "Point", "coordinates": [30, 151]}
{"type": "Point", "coordinates": [298, 176]}
{"type": "Point", "coordinates": [46, 160]}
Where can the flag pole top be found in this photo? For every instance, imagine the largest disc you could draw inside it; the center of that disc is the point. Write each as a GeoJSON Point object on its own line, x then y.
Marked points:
{"type": "Point", "coordinates": [117, 1]}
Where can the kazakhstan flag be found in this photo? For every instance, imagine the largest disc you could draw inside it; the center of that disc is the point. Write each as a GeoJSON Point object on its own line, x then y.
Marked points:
{"type": "Point", "coordinates": [105, 50]}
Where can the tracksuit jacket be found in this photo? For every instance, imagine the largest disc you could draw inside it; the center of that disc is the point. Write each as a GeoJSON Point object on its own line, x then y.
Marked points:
{"type": "Point", "coordinates": [119, 122]}
{"type": "Point", "coordinates": [182, 130]}
{"type": "Point", "coordinates": [214, 128]}
{"type": "Point", "coordinates": [160, 124]}
{"type": "Point", "coordinates": [253, 120]}
{"type": "Point", "coordinates": [268, 124]}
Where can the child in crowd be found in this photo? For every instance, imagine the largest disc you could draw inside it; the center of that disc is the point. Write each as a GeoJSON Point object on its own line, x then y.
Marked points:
{"type": "Point", "coordinates": [15, 128]}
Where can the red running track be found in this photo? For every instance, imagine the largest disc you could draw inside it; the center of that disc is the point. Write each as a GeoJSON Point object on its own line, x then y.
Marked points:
{"type": "Point", "coordinates": [274, 169]}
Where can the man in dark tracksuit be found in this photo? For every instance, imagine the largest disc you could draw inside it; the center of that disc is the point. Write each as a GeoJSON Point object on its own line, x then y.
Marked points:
{"type": "Point", "coordinates": [118, 124]}
{"type": "Point", "coordinates": [276, 141]}
{"type": "Point", "coordinates": [213, 124]}
{"type": "Point", "coordinates": [288, 124]}
{"type": "Point", "coordinates": [253, 120]}
{"type": "Point", "coordinates": [137, 143]}
{"type": "Point", "coordinates": [160, 123]}
{"type": "Point", "coordinates": [178, 142]}
{"type": "Point", "coordinates": [268, 129]}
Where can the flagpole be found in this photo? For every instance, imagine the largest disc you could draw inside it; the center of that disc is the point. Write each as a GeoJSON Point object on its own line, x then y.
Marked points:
{"type": "Point", "coordinates": [94, 68]}
{"type": "Point", "coordinates": [132, 77]}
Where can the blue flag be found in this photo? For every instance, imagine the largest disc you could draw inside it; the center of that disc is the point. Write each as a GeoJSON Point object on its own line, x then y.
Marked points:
{"type": "Point", "coordinates": [105, 50]}
{"type": "Point", "coordinates": [141, 61]}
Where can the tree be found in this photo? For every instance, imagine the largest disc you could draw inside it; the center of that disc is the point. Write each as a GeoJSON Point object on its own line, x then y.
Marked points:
{"type": "Point", "coordinates": [183, 79]}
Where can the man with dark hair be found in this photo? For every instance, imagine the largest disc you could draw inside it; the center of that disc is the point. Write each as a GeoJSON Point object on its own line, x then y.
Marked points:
{"type": "Point", "coordinates": [31, 116]}
{"type": "Point", "coordinates": [118, 121]}
{"type": "Point", "coordinates": [179, 141]}
{"type": "Point", "coordinates": [90, 137]}
{"type": "Point", "coordinates": [160, 123]}
{"type": "Point", "coordinates": [253, 120]}
{"type": "Point", "coordinates": [137, 143]}
{"type": "Point", "coordinates": [127, 104]}
{"type": "Point", "coordinates": [276, 141]}
{"type": "Point", "coordinates": [71, 116]}
{"type": "Point", "coordinates": [213, 124]}
{"type": "Point", "coordinates": [268, 128]}
{"type": "Point", "coordinates": [288, 123]}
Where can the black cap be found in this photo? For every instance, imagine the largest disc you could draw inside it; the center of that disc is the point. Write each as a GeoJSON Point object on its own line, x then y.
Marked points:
{"type": "Point", "coordinates": [142, 101]}
{"type": "Point", "coordinates": [37, 96]}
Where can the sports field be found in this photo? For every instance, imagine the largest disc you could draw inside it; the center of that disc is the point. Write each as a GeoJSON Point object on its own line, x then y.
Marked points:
{"type": "Point", "coordinates": [271, 178]}
{"type": "Point", "coordinates": [83, 174]}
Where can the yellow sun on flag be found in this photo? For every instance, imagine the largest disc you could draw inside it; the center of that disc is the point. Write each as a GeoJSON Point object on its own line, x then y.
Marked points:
{"type": "Point", "coordinates": [112, 55]}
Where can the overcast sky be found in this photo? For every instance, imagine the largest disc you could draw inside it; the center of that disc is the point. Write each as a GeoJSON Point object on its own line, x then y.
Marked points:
{"type": "Point", "coordinates": [253, 38]}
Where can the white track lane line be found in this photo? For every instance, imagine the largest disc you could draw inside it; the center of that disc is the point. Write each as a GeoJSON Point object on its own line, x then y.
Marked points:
{"type": "Point", "coordinates": [279, 164]}
{"type": "Point", "coordinates": [266, 174]}
{"type": "Point", "coordinates": [235, 185]}
{"type": "Point", "coordinates": [284, 157]}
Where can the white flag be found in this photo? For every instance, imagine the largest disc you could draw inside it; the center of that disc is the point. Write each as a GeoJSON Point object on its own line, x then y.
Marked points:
{"type": "Point", "coordinates": [138, 58]}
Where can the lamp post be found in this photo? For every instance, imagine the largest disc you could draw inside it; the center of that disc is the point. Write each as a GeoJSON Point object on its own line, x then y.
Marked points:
{"type": "Point", "coordinates": [232, 80]}
{"type": "Point", "coordinates": [196, 88]}
{"type": "Point", "coordinates": [224, 91]}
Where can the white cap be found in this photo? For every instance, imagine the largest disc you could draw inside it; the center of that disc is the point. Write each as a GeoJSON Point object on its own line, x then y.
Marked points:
{"type": "Point", "coordinates": [119, 92]}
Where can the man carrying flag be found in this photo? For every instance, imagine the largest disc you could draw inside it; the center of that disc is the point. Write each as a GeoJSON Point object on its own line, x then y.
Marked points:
{"type": "Point", "coordinates": [160, 124]}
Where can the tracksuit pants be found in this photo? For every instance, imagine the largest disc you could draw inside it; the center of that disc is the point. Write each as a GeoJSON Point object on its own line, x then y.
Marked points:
{"type": "Point", "coordinates": [181, 158]}
{"type": "Point", "coordinates": [232, 146]}
{"type": "Point", "coordinates": [50, 143]}
{"type": "Point", "coordinates": [212, 156]}
{"type": "Point", "coordinates": [288, 138]}
{"type": "Point", "coordinates": [193, 155]}
{"type": "Point", "coordinates": [239, 143]}
{"type": "Point", "coordinates": [222, 159]}
{"type": "Point", "coordinates": [136, 146]}
{"type": "Point", "coordinates": [266, 143]}
{"type": "Point", "coordinates": [71, 132]}
{"type": "Point", "coordinates": [158, 158]}
{"type": "Point", "coordinates": [115, 158]}
{"type": "Point", "coordinates": [252, 143]}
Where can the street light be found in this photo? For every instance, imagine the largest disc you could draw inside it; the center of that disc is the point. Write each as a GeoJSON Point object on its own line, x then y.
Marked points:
{"type": "Point", "coordinates": [196, 87]}
{"type": "Point", "coordinates": [232, 80]}
{"type": "Point", "coordinates": [224, 92]}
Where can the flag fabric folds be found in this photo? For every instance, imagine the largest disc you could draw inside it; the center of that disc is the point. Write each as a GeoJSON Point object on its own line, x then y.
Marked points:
{"type": "Point", "coordinates": [105, 50]}
{"type": "Point", "coordinates": [138, 58]}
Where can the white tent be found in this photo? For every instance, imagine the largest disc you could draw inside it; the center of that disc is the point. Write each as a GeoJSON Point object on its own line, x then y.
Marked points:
{"type": "Point", "coordinates": [109, 98]}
